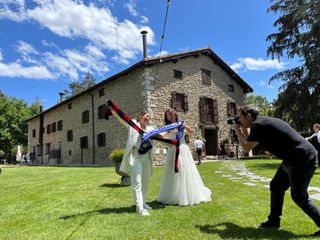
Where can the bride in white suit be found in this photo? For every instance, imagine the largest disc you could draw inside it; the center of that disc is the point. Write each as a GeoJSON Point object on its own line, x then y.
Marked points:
{"type": "Point", "coordinates": [138, 166]}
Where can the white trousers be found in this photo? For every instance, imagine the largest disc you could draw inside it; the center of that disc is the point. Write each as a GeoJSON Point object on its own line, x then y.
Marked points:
{"type": "Point", "coordinates": [140, 177]}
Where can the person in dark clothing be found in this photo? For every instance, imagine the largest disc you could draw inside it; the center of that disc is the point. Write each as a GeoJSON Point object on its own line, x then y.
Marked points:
{"type": "Point", "coordinates": [299, 163]}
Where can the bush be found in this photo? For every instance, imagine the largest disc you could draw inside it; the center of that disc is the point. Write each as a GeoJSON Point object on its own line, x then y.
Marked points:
{"type": "Point", "coordinates": [116, 155]}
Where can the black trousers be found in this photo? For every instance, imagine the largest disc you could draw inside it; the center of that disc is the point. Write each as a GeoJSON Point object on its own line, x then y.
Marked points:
{"type": "Point", "coordinates": [199, 152]}
{"type": "Point", "coordinates": [298, 178]}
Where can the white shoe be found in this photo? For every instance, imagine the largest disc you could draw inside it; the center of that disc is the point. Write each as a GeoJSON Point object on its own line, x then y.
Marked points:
{"type": "Point", "coordinates": [146, 207]}
{"type": "Point", "coordinates": [143, 212]}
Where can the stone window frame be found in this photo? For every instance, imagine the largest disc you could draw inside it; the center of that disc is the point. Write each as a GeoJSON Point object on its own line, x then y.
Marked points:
{"type": "Point", "coordinates": [177, 74]}
{"type": "Point", "coordinates": [184, 104]}
{"type": "Point", "coordinates": [231, 88]}
{"type": "Point", "coordinates": [54, 127]}
{"type": "Point", "coordinates": [48, 128]}
{"type": "Point", "coordinates": [70, 135]}
{"type": "Point", "coordinates": [101, 111]}
{"type": "Point", "coordinates": [84, 142]}
{"type": "Point", "coordinates": [206, 76]}
{"type": "Point", "coordinates": [60, 125]}
{"type": "Point", "coordinates": [204, 104]}
{"type": "Point", "coordinates": [102, 92]}
{"type": "Point", "coordinates": [34, 133]}
{"type": "Point", "coordinates": [85, 116]}
{"type": "Point", "coordinates": [70, 106]}
{"type": "Point", "coordinates": [101, 139]}
{"type": "Point", "coordinates": [231, 109]}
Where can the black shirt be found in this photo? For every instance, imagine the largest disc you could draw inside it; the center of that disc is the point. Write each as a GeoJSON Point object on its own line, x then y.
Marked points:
{"type": "Point", "coordinates": [277, 137]}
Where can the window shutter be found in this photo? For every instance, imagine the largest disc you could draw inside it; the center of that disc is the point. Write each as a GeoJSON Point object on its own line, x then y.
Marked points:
{"type": "Point", "coordinates": [202, 109]}
{"type": "Point", "coordinates": [173, 100]}
{"type": "Point", "coordinates": [215, 111]}
{"type": "Point", "coordinates": [229, 109]}
{"type": "Point", "coordinates": [185, 103]}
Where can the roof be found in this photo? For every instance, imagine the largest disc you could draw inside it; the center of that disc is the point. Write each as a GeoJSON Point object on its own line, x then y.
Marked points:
{"type": "Point", "coordinates": [158, 60]}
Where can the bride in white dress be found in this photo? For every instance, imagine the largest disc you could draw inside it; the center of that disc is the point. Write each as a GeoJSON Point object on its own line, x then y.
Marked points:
{"type": "Point", "coordinates": [184, 187]}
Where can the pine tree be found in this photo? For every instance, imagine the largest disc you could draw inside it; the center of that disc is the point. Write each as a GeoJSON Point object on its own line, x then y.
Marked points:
{"type": "Point", "coordinates": [298, 37]}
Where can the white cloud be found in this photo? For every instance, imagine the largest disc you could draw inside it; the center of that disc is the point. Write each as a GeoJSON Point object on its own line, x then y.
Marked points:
{"type": "Point", "coordinates": [144, 20]}
{"type": "Point", "coordinates": [236, 66]}
{"type": "Point", "coordinates": [25, 48]}
{"type": "Point", "coordinates": [61, 65]}
{"type": "Point", "coordinates": [257, 64]}
{"type": "Point", "coordinates": [74, 19]}
{"type": "Point", "coordinates": [49, 44]}
{"type": "Point", "coordinates": [27, 53]}
{"type": "Point", "coordinates": [17, 70]}
{"type": "Point", "coordinates": [131, 5]}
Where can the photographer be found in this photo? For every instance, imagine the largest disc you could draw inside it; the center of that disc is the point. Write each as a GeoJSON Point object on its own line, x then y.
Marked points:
{"type": "Point", "coordinates": [297, 168]}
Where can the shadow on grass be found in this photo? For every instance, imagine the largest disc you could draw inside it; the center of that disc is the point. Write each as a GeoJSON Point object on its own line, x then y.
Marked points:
{"type": "Point", "coordinates": [229, 230]}
{"type": "Point", "coordinates": [265, 166]}
{"type": "Point", "coordinates": [120, 210]}
{"type": "Point", "coordinates": [112, 185]}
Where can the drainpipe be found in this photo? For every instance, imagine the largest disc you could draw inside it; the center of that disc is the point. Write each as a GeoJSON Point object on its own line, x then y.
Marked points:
{"type": "Point", "coordinates": [41, 133]}
{"type": "Point", "coordinates": [93, 131]}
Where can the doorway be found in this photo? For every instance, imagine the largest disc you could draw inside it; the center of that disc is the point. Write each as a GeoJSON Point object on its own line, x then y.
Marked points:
{"type": "Point", "coordinates": [211, 136]}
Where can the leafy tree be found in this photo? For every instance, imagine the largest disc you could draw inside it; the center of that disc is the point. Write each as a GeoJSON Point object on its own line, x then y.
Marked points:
{"type": "Point", "coordinates": [261, 103]}
{"type": "Point", "coordinates": [13, 127]}
{"type": "Point", "coordinates": [298, 36]}
{"type": "Point", "coordinates": [77, 87]}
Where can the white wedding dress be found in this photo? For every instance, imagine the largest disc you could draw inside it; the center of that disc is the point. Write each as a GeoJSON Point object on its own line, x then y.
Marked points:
{"type": "Point", "coordinates": [185, 187]}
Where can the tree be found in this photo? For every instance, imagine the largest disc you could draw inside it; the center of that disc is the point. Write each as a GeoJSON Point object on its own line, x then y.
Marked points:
{"type": "Point", "coordinates": [77, 87]}
{"type": "Point", "coordinates": [261, 103]}
{"type": "Point", "coordinates": [14, 128]}
{"type": "Point", "coordinates": [298, 36]}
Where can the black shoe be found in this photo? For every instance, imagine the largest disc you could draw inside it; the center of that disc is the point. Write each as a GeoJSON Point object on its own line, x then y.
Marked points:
{"type": "Point", "coordinates": [316, 234]}
{"type": "Point", "coordinates": [269, 224]}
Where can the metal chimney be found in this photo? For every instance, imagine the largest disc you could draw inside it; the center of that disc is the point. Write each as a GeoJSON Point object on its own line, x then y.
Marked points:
{"type": "Point", "coordinates": [61, 95]}
{"type": "Point", "coordinates": [144, 42]}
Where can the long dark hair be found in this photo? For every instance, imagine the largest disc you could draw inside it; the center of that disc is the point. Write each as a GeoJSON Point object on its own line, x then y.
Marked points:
{"type": "Point", "coordinates": [173, 112]}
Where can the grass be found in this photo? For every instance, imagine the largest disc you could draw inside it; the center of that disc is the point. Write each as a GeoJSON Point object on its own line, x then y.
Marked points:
{"type": "Point", "coordinates": [87, 203]}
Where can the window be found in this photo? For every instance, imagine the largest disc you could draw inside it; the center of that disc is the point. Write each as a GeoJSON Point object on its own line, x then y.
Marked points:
{"type": "Point", "coordinates": [84, 142]}
{"type": "Point", "coordinates": [70, 152]}
{"type": "Point", "coordinates": [70, 136]}
{"type": "Point", "coordinates": [101, 140]}
{"type": "Point", "coordinates": [39, 150]}
{"type": "Point", "coordinates": [54, 127]}
{"type": "Point", "coordinates": [206, 76]}
{"type": "Point", "coordinates": [33, 133]}
{"type": "Point", "coordinates": [177, 74]}
{"type": "Point", "coordinates": [49, 129]}
{"type": "Point", "coordinates": [60, 125]}
{"type": "Point", "coordinates": [85, 116]}
{"type": "Point", "coordinates": [231, 88]}
{"type": "Point", "coordinates": [101, 110]}
{"type": "Point", "coordinates": [47, 150]}
{"type": "Point", "coordinates": [101, 92]}
{"type": "Point", "coordinates": [208, 110]}
{"type": "Point", "coordinates": [231, 109]}
{"type": "Point", "coordinates": [70, 106]}
{"type": "Point", "coordinates": [179, 101]}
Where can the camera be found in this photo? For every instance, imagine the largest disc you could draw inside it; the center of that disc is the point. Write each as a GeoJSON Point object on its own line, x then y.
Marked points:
{"type": "Point", "coordinates": [234, 120]}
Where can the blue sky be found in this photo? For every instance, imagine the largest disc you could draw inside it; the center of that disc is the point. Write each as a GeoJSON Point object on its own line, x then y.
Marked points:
{"type": "Point", "coordinates": [46, 44]}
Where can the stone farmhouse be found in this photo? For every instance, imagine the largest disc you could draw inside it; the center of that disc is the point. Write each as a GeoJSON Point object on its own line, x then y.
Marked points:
{"type": "Point", "coordinates": [198, 84]}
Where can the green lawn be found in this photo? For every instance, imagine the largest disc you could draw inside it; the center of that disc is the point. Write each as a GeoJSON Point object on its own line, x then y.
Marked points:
{"type": "Point", "coordinates": [87, 203]}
